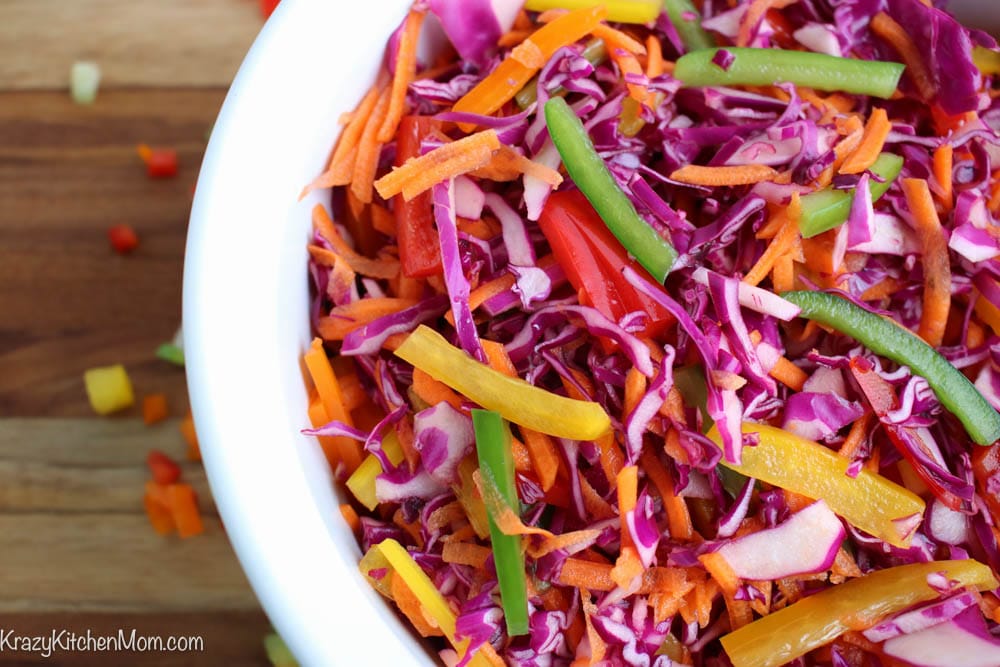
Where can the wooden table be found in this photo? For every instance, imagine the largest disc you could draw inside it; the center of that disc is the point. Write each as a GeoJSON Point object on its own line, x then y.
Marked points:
{"type": "Point", "coordinates": [76, 551]}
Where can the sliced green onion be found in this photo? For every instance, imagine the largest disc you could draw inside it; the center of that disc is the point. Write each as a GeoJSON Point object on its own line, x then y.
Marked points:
{"type": "Point", "coordinates": [828, 208]}
{"type": "Point", "coordinates": [687, 22]}
{"type": "Point", "coordinates": [84, 79]}
{"type": "Point", "coordinates": [884, 337]}
{"type": "Point", "coordinates": [170, 352]}
{"type": "Point", "coordinates": [496, 464]}
{"type": "Point", "coordinates": [765, 67]}
{"type": "Point", "coordinates": [591, 175]}
{"type": "Point", "coordinates": [594, 51]}
{"type": "Point", "coordinates": [620, 11]}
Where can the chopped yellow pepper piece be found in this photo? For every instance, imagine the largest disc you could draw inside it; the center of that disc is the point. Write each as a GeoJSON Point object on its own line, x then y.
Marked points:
{"type": "Point", "coordinates": [390, 554]}
{"type": "Point", "coordinates": [868, 501]}
{"type": "Point", "coordinates": [108, 388]}
{"type": "Point", "coordinates": [857, 604]}
{"type": "Point", "coordinates": [516, 400]}
{"type": "Point", "coordinates": [362, 481]}
{"type": "Point", "coordinates": [987, 60]}
{"type": "Point", "coordinates": [621, 11]}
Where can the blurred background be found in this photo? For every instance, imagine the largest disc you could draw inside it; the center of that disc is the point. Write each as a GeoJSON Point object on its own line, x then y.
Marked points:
{"type": "Point", "coordinates": [77, 549]}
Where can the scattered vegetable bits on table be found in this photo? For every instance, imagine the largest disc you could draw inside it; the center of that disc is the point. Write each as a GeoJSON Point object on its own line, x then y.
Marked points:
{"type": "Point", "coordinates": [669, 333]}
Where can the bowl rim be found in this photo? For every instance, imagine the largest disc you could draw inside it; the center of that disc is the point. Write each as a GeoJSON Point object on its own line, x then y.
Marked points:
{"type": "Point", "coordinates": [280, 512]}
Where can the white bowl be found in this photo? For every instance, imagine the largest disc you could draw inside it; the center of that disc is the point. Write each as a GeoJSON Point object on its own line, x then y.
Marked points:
{"type": "Point", "coordinates": [247, 325]}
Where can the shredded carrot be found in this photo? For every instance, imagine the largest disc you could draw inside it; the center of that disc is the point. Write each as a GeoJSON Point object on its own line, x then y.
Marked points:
{"type": "Point", "coordinates": [351, 392]}
{"type": "Point", "coordinates": [886, 27]}
{"type": "Point", "coordinates": [522, 460]}
{"type": "Point", "coordinates": [369, 150]}
{"type": "Point", "coordinates": [351, 517]}
{"type": "Point", "coordinates": [496, 355]}
{"type": "Point", "coordinates": [485, 292]}
{"type": "Point", "coordinates": [483, 228]}
{"type": "Point", "coordinates": [628, 569]}
{"type": "Point", "coordinates": [406, 69]}
{"type": "Point", "coordinates": [783, 274]}
{"type": "Point", "coordinates": [455, 158]}
{"type": "Point", "coordinates": [654, 57]}
{"type": "Point", "coordinates": [593, 503]}
{"type": "Point", "coordinates": [936, 264]}
{"type": "Point", "coordinates": [882, 289]}
{"type": "Point", "coordinates": [512, 38]}
{"type": "Point", "coordinates": [872, 141]}
{"type": "Point", "coordinates": [598, 647]}
{"type": "Point", "coordinates": [373, 268]}
{"type": "Point", "coordinates": [943, 163]}
{"type": "Point", "coordinates": [432, 391]}
{"type": "Point", "coordinates": [856, 436]}
{"type": "Point", "coordinates": [383, 221]}
{"type": "Point", "coordinates": [627, 483]}
{"type": "Point", "coordinates": [749, 174]}
{"type": "Point", "coordinates": [616, 39]}
{"type": "Point", "coordinates": [508, 164]}
{"type": "Point", "coordinates": [783, 243]}
{"type": "Point", "coordinates": [407, 442]}
{"type": "Point", "coordinates": [566, 541]}
{"type": "Point", "coordinates": [755, 12]}
{"type": "Point", "coordinates": [788, 374]}
{"type": "Point", "coordinates": [678, 517]}
{"type": "Point", "coordinates": [409, 604]}
{"type": "Point", "coordinates": [544, 456]}
{"type": "Point", "coordinates": [344, 319]}
{"type": "Point", "coordinates": [328, 390]}
{"type": "Point", "coordinates": [341, 165]}
{"type": "Point", "coordinates": [740, 613]}
{"type": "Point", "coordinates": [465, 553]}
{"type": "Point", "coordinates": [635, 387]}
{"type": "Point", "coordinates": [500, 86]}
{"type": "Point", "coordinates": [154, 408]}
{"type": "Point", "coordinates": [975, 335]}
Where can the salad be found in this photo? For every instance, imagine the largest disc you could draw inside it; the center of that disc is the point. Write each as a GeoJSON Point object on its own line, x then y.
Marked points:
{"type": "Point", "coordinates": [660, 333]}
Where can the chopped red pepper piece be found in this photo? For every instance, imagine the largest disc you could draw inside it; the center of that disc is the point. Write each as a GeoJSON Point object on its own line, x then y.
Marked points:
{"type": "Point", "coordinates": [160, 162]}
{"type": "Point", "coordinates": [154, 408]}
{"type": "Point", "coordinates": [419, 250]}
{"type": "Point", "coordinates": [123, 239]}
{"type": "Point", "coordinates": [593, 259]}
{"type": "Point", "coordinates": [267, 7]}
{"type": "Point", "coordinates": [986, 469]}
{"type": "Point", "coordinates": [163, 468]}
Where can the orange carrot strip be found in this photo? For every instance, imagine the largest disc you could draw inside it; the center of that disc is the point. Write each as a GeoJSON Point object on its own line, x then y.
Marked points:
{"type": "Point", "coordinates": [183, 506]}
{"type": "Point", "coordinates": [449, 160]}
{"type": "Point", "coordinates": [369, 149]}
{"type": "Point", "coordinates": [598, 646]}
{"type": "Point", "coordinates": [351, 517]}
{"type": "Point", "coordinates": [341, 166]}
{"type": "Point", "coordinates": [936, 264]}
{"type": "Point", "coordinates": [880, 290]}
{"type": "Point", "coordinates": [328, 389]}
{"type": "Point", "coordinates": [783, 274]}
{"type": "Point", "coordinates": [406, 69]}
{"type": "Point", "coordinates": [484, 228]}
{"type": "Point", "coordinates": [344, 319]}
{"type": "Point", "coordinates": [678, 517]}
{"type": "Point", "coordinates": [373, 268]}
{"type": "Point", "coordinates": [872, 141]}
{"type": "Point", "coordinates": [154, 408]}
{"type": "Point", "coordinates": [544, 456]}
{"type": "Point", "coordinates": [628, 491]}
{"type": "Point", "coordinates": [635, 387]}
{"type": "Point", "coordinates": [722, 573]}
{"type": "Point", "coordinates": [782, 244]}
{"type": "Point", "coordinates": [611, 458]}
{"type": "Point", "coordinates": [485, 292]}
{"type": "Point", "coordinates": [409, 604]}
{"type": "Point", "coordinates": [629, 64]}
{"type": "Point", "coordinates": [351, 392]}
{"type": "Point", "coordinates": [885, 27]}
{"type": "Point", "coordinates": [512, 38]}
{"type": "Point", "coordinates": [593, 503]}
{"type": "Point", "coordinates": [749, 174]}
{"type": "Point", "coordinates": [654, 57]}
{"type": "Point", "coordinates": [975, 335]}
{"type": "Point", "coordinates": [943, 163]}
{"type": "Point", "coordinates": [788, 374]}
{"type": "Point", "coordinates": [616, 39]}
{"type": "Point", "coordinates": [500, 86]}
{"type": "Point", "coordinates": [496, 355]}
{"type": "Point", "coordinates": [855, 437]}
{"type": "Point", "coordinates": [465, 553]}
{"type": "Point", "coordinates": [432, 391]}
{"type": "Point", "coordinates": [508, 164]}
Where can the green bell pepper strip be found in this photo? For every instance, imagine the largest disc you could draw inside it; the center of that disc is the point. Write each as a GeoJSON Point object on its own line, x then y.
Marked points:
{"type": "Point", "coordinates": [784, 635]}
{"type": "Point", "coordinates": [765, 67]}
{"type": "Point", "coordinates": [884, 337]}
{"type": "Point", "coordinates": [591, 175]}
{"type": "Point", "coordinates": [828, 208]}
{"type": "Point", "coordinates": [687, 22]}
{"type": "Point", "coordinates": [594, 51]}
{"type": "Point", "coordinates": [497, 463]}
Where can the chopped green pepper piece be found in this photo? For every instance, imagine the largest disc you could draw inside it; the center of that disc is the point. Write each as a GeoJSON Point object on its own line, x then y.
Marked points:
{"type": "Point", "coordinates": [765, 67]}
{"type": "Point", "coordinates": [885, 337]}
{"type": "Point", "coordinates": [591, 175]}
{"type": "Point", "coordinates": [170, 352]}
{"type": "Point", "coordinates": [594, 51]}
{"type": "Point", "coordinates": [687, 22]}
{"type": "Point", "coordinates": [496, 464]}
{"type": "Point", "coordinates": [828, 208]}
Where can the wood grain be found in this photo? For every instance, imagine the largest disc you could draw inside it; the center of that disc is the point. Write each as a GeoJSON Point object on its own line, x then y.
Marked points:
{"type": "Point", "coordinates": [145, 43]}
{"type": "Point", "coordinates": [68, 173]}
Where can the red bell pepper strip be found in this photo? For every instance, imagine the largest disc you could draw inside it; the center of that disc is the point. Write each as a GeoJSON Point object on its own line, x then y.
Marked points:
{"type": "Point", "coordinates": [593, 259]}
{"type": "Point", "coordinates": [419, 251]}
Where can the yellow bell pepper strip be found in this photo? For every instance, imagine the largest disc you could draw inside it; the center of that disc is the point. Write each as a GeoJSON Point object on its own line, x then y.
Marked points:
{"type": "Point", "coordinates": [765, 67]}
{"type": "Point", "coordinates": [493, 446]}
{"type": "Point", "coordinates": [591, 175]}
{"type": "Point", "coordinates": [884, 337]}
{"type": "Point", "coordinates": [621, 11]}
{"type": "Point", "coordinates": [828, 208]}
{"type": "Point", "coordinates": [987, 60]}
{"type": "Point", "coordinates": [869, 501]}
{"type": "Point", "coordinates": [510, 75]}
{"type": "Point", "coordinates": [390, 554]}
{"type": "Point", "coordinates": [859, 603]}
{"type": "Point", "coordinates": [687, 22]}
{"type": "Point", "coordinates": [108, 388]}
{"type": "Point", "coordinates": [362, 481]}
{"type": "Point", "coordinates": [513, 398]}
